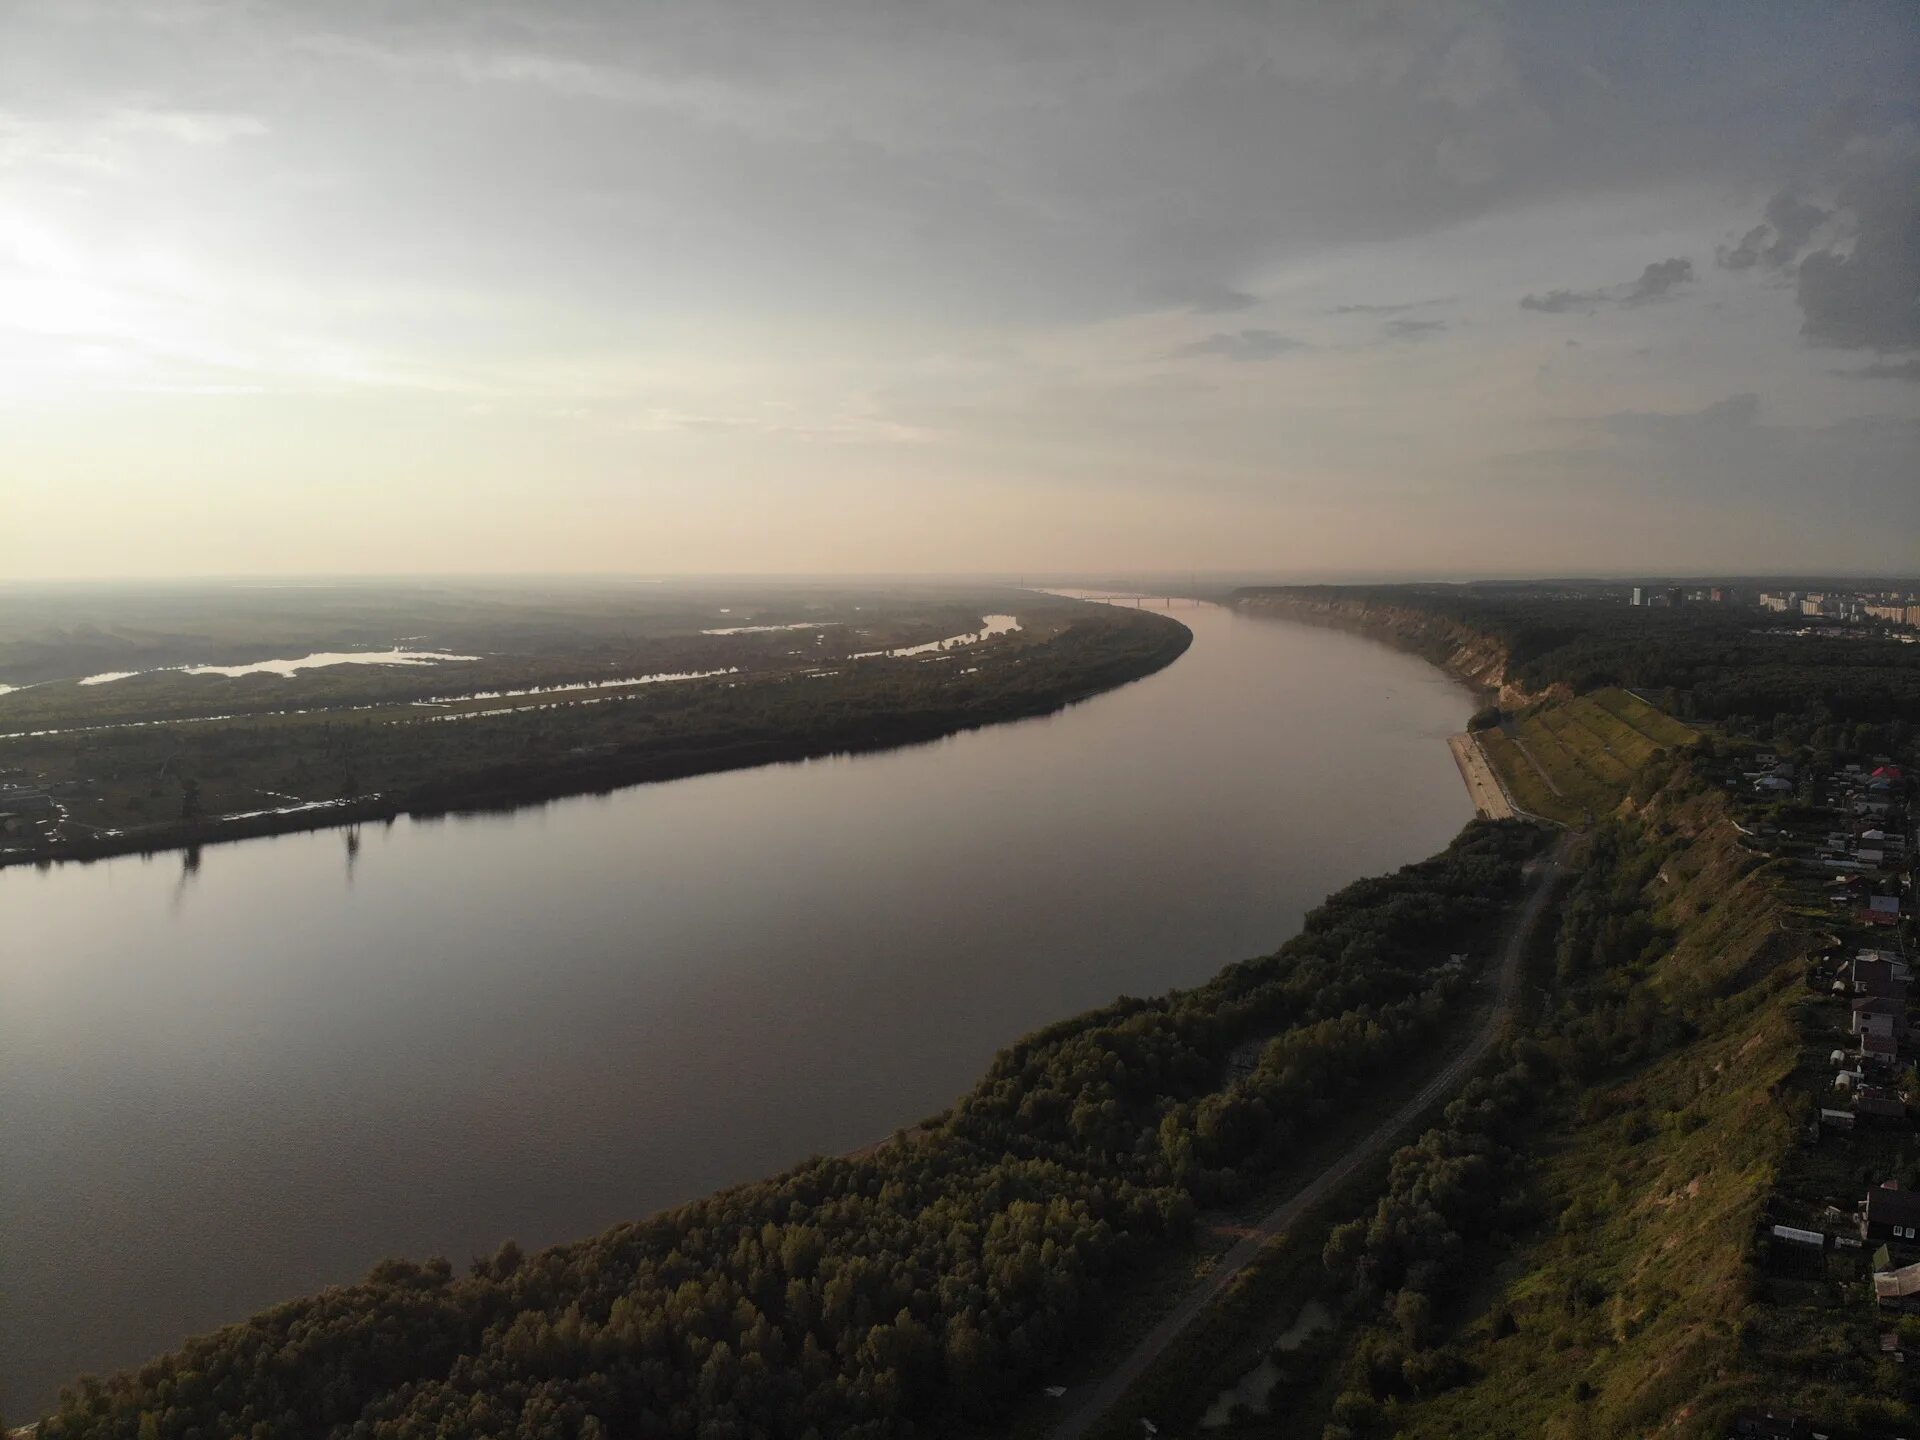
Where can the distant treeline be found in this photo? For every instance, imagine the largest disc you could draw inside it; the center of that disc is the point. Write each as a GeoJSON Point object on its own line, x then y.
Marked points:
{"type": "Point", "coordinates": [1733, 665]}
{"type": "Point", "coordinates": [937, 1277]}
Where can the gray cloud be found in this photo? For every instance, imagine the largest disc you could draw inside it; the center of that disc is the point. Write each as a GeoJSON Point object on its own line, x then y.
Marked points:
{"type": "Point", "coordinates": [1868, 296]}
{"type": "Point", "coordinates": [1560, 302]}
{"type": "Point", "coordinates": [1728, 458]}
{"type": "Point", "coordinates": [1412, 329]}
{"type": "Point", "coordinates": [1246, 345]}
{"type": "Point", "coordinates": [1214, 299]}
{"type": "Point", "coordinates": [1393, 308]}
{"type": "Point", "coordinates": [881, 157]}
{"type": "Point", "coordinates": [1883, 370]}
{"type": "Point", "coordinates": [1776, 242]}
{"type": "Point", "coordinates": [1656, 282]}
{"type": "Point", "coordinates": [707, 214]}
{"type": "Point", "coordinates": [1735, 413]}
{"type": "Point", "coordinates": [1861, 288]}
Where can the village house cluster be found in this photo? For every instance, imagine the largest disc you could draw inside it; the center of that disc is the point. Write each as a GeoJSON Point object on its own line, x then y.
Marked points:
{"type": "Point", "coordinates": [1845, 1228]}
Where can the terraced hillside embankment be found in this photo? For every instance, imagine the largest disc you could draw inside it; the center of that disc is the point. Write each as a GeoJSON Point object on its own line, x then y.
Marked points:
{"type": "Point", "coordinates": [1572, 759]}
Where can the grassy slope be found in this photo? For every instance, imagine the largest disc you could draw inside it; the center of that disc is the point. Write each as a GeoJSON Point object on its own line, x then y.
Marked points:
{"type": "Point", "coordinates": [1589, 746]}
{"type": "Point", "coordinates": [1631, 1310]}
{"type": "Point", "coordinates": [1637, 1306]}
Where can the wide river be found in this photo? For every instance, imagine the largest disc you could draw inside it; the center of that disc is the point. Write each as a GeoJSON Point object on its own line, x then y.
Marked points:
{"type": "Point", "coordinates": [225, 1085]}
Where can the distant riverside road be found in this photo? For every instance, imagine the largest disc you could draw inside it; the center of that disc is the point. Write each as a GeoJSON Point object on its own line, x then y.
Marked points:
{"type": "Point", "coordinates": [1085, 1409]}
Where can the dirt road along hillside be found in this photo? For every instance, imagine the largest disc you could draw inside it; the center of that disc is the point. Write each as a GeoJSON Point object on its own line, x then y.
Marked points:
{"type": "Point", "coordinates": [1085, 1408]}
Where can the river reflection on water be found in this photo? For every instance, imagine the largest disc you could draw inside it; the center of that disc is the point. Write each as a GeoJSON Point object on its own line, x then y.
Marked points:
{"type": "Point", "coordinates": [229, 1084]}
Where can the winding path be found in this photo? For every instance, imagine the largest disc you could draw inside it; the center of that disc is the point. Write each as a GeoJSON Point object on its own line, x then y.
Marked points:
{"type": "Point", "coordinates": [1085, 1409]}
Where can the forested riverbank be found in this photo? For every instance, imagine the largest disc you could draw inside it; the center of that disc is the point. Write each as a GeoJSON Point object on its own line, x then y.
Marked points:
{"type": "Point", "coordinates": [1644, 1213]}
{"type": "Point", "coordinates": [1745, 670]}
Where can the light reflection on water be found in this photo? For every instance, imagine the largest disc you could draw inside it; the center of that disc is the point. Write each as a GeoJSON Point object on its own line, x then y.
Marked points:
{"type": "Point", "coordinates": [225, 1092]}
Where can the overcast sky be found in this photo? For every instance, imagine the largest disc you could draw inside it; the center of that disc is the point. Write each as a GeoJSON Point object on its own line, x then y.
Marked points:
{"type": "Point", "coordinates": [800, 285]}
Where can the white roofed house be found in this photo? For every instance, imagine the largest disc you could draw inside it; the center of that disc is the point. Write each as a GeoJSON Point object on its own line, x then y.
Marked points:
{"type": "Point", "coordinates": [1898, 1289]}
{"type": "Point", "coordinates": [1877, 1015]}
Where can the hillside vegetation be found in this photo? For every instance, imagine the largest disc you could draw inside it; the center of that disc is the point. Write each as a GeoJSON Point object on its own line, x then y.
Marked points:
{"type": "Point", "coordinates": [1625, 1314]}
{"type": "Point", "coordinates": [1567, 1251]}
{"type": "Point", "coordinates": [1746, 671]}
{"type": "Point", "coordinates": [1575, 758]}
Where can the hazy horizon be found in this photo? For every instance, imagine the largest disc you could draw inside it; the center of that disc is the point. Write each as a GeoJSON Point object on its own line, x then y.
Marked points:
{"type": "Point", "coordinates": [829, 288]}
{"type": "Point", "coordinates": [1179, 581]}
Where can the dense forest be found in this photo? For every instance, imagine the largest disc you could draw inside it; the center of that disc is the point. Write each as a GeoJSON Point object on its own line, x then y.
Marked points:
{"type": "Point", "coordinates": [936, 1277]}
{"type": "Point", "coordinates": [1738, 667]}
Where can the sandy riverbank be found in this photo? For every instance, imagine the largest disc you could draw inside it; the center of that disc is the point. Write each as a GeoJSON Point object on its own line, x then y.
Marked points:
{"type": "Point", "coordinates": [1488, 797]}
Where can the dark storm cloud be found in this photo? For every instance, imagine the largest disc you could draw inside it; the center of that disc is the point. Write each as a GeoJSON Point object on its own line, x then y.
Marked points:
{"type": "Point", "coordinates": [1867, 296]}
{"type": "Point", "coordinates": [1250, 345]}
{"type": "Point", "coordinates": [1656, 282]}
{"type": "Point", "coordinates": [1861, 288]}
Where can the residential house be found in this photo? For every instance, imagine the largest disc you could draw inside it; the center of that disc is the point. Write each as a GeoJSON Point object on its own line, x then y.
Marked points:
{"type": "Point", "coordinates": [1879, 1101]}
{"type": "Point", "coordinates": [1879, 979]}
{"type": "Point", "coordinates": [1890, 1214]}
{"type": "Point", "coordinates": [1876, 1015]}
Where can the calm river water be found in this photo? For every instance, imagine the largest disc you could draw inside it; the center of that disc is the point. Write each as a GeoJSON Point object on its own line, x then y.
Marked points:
{"type": "Point", "coordinates": [223, 1087]}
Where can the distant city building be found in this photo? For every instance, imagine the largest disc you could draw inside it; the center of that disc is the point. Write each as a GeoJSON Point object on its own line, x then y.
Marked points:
{"type": "Point", "coordinates": [1639, 595]}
